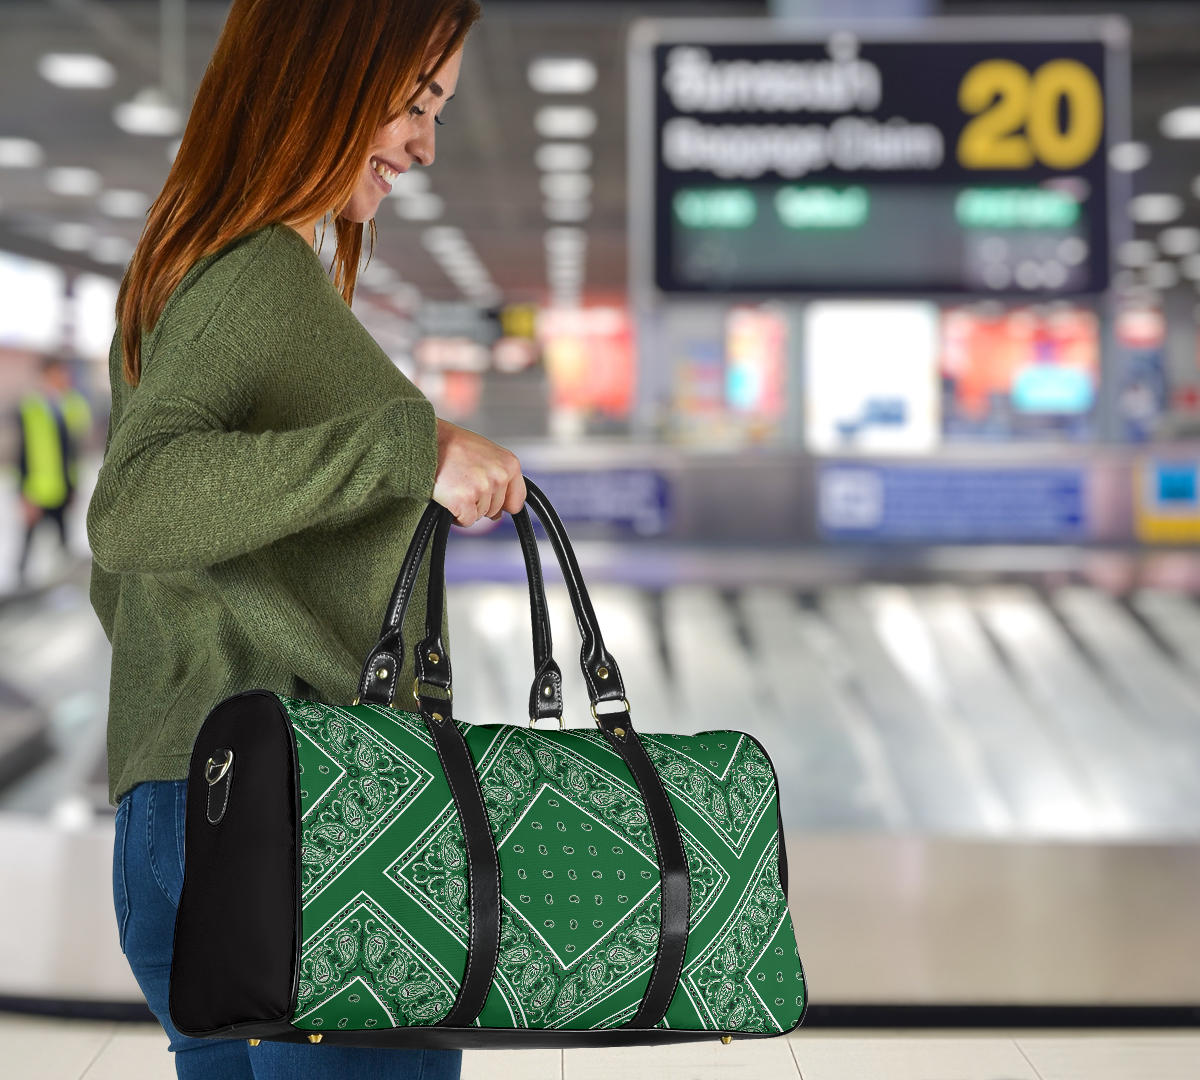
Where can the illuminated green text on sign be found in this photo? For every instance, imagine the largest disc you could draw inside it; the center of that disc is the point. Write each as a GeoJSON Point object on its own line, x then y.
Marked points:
{"type": "Point", "coordinates": [1015, 208]}
{"type": "Point", "coordinates": [822, 207]}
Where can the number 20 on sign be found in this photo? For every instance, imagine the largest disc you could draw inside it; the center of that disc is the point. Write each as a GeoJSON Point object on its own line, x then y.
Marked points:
{"type": "Point", "coordinates": [1015, 115]}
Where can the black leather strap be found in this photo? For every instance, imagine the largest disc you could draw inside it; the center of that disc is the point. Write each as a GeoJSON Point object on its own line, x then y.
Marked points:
{"type": "Point", "coordinates": [545, 693]}
{"type": "Point", "coordinates": [600, 670]}
{"type": "Point", "coordinates": [432, 662]}
{"type": "Point", "coordinates": [483, 869]}
{"type": "Point", "coordinates": [676, 896]}
{"type": "Point", "coordinates": [604, 684]}
{"type": "Point", "coordinates": [377, 682]}
{"type": "Point", "coordinates": [381, 669]}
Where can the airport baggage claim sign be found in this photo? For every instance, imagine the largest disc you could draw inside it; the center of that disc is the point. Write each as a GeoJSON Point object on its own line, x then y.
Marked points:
{"type": "Point", "coordinates": [962, 156]}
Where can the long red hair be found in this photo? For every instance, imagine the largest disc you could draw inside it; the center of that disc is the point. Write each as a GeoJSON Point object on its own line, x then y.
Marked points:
{"type": "Point", "coordinates": [284, 117]}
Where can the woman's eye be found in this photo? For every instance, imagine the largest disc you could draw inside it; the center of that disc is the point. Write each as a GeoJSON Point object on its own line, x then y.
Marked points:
{"type": "Point", "coordinates": [417, 110]}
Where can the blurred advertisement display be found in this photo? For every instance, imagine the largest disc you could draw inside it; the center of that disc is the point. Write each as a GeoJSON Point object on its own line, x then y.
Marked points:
{"type": "Point", "coordinates": [871, 377]}
{"type": "Point", "coordinates": [1029, 373]}
{"type": "Point", "coordinates": [1166, 501]}
{"type": "Point", "coordinates": [32, 303]}
{"type": "Point", "coordinates": [960, 504]}
{"type": "Point", "coordinates": [588, 353]}
{"type": "Point", "coordinates": [938, 156]}
{"type": "Point", "coordinates": [449, 373]}
{"type": "Point", "coordinates": [755, 362]}
{"type": "Point", "coordinates": [1142, 392]}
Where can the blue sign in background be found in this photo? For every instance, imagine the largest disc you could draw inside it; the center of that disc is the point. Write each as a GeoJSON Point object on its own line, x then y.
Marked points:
{"type": "Point", "coordinates": [634, 501]}
{"type": "Point", "coordinates": [900, 503]}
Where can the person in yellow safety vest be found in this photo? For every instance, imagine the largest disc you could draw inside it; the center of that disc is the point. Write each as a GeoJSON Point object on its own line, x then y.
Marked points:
{"type": "Point", "coordinates": [53, 423]}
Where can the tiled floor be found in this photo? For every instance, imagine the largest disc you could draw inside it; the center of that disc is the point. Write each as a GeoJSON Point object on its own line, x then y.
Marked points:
{"type": "Point", "coordinates": [47, 1049]}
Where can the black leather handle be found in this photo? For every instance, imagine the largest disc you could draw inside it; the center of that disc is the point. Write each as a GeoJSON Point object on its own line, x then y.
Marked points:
{"type": "Point", "coordinates": [604, 683]}
{"type": "Point", "coordinates": [377, 681]}
{"type": "Point", "coordinates": [600, 670]}
{"type": "Point", "coordinates": [545, 694]}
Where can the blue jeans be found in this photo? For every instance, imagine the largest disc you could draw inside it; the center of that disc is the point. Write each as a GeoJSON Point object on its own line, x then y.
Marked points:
{"type": "Point", "coordinates": [147, 880]}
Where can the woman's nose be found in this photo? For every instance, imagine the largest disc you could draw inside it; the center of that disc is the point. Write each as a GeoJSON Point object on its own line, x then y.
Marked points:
{"type": "Point", "coordinates": [420, 146]}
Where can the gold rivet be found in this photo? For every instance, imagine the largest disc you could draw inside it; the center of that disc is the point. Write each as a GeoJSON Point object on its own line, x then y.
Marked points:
{"type": "Point", "coordinates": [381, 673]}
{"type": "Point", "coordinates": [434, 658]}
{"type": "Point", "coordinates": [602, 671]}
{"type": "Point", "coordinates": [619, 732]}
{"type": "Point", "coordinates": [254, 1042]}
{"type": "Point", "coordinates": [726, 1039]}
{"type": "Point", "coordinates": [438, 717]}
{"type": "Point", "coordinates": [547, 691]}
{"type": "Point", "coordinates": [315, 1038]}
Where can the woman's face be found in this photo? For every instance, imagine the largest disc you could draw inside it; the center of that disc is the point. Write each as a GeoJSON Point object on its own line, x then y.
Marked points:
{"type": "Point", "coordinates": [407, 139]}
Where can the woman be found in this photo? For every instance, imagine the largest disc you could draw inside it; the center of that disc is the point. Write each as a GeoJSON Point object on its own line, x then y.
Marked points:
{"type": "Point", "coordinates": [266, 463]}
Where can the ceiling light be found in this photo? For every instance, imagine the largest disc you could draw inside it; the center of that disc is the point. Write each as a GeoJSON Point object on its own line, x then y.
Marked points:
{"type": "Point", "coordinates": [1162, 275]}
{"type": "Point", "coordinates": [561, 75]}
{"type": "Point", "coordinates": [1129, 156]}
{"type": "Point", "coordinates": [112, 249]}
{"type": "Point", "coordinates": [149, 113]}
{"type": "Point", "coordinates": [19, 153]}
{"type": "Point", "coordinates": [439, 238]}
{"type": "Point", "coordinates": [376, 274]}
{"type": "Point", "coordinates": [1181, 123]}
{"type": "Point", "coordinates": [1136, 253]}
{"type": "Point", "coordinates": [567, 210]}
{"type": "Point", "coordinates": [72, 181]}
{"type": "Point", "coordinates": [1156, 209]}
{"type": "Point", "coordinates": [488, 297]}
{"type": "Point", "coordinates": [460, 254]}
{"type": "Point", "coordinates": [466, 271]}
{"type": "Point", "coordinates": [1180, 240]}
{"type": "Point", "coordinates": [566, 185]}
{"type": "Point", "coordinates": [563, 157]}
{"type": "Point", "coordinates": [564, 236]}
{"type": "Point", "coordinates": [427, 207]}
{"type": "Point", "coordinates": [77, 70]}
{"type": "Point", "coordinates": [462, 264]}
{"type": "Point", "coordinates": [123, 203]}
{"type": "Point", "coordinates": [72, 236]}
{"type": "Point", "coordinates": [565, 121]}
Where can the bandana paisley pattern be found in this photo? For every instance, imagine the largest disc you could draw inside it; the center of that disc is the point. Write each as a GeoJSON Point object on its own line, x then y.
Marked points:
{"type": "Point", "coordinates": [385, 893]}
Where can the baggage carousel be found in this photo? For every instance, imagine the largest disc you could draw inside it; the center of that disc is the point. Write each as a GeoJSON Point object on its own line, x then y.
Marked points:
{"type": "Point", "coordinates": [990, 782]}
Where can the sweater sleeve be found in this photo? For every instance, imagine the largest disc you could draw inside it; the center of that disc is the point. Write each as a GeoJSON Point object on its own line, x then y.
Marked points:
{"type": "Point", "coordinates": [178, 492]}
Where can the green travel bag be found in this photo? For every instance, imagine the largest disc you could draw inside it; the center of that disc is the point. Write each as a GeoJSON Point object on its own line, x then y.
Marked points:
{"type": "Point", "coordinates": [366, 875]}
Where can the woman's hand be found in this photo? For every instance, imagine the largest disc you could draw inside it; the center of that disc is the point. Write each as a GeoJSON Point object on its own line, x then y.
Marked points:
{"type": "Point", "coordinates": [475, 477]}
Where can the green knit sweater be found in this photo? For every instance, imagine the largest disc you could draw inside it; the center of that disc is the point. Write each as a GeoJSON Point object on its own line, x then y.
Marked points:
{"type": "Point", "coordinates": [259, 489]}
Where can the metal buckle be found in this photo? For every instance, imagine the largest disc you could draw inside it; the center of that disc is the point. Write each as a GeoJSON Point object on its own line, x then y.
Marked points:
{"type": "Point", "coordinates": [223, 767]}
{"type": "Point", "coordinates": [562, 724]}
{"type": "Point", "coordinates": [417, 682]}
{"type": "Point", "coordinates": [596, 715]}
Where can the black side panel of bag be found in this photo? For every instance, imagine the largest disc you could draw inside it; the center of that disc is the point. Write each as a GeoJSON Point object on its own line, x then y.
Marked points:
{"type": "Point", "coordinates": [234, 954]}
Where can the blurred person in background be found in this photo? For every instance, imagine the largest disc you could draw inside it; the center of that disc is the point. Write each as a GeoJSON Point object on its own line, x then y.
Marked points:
{"type": "Point", "coordinates": [53, 421]}
{"type": "Point", "coordinates": [266, 462]}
